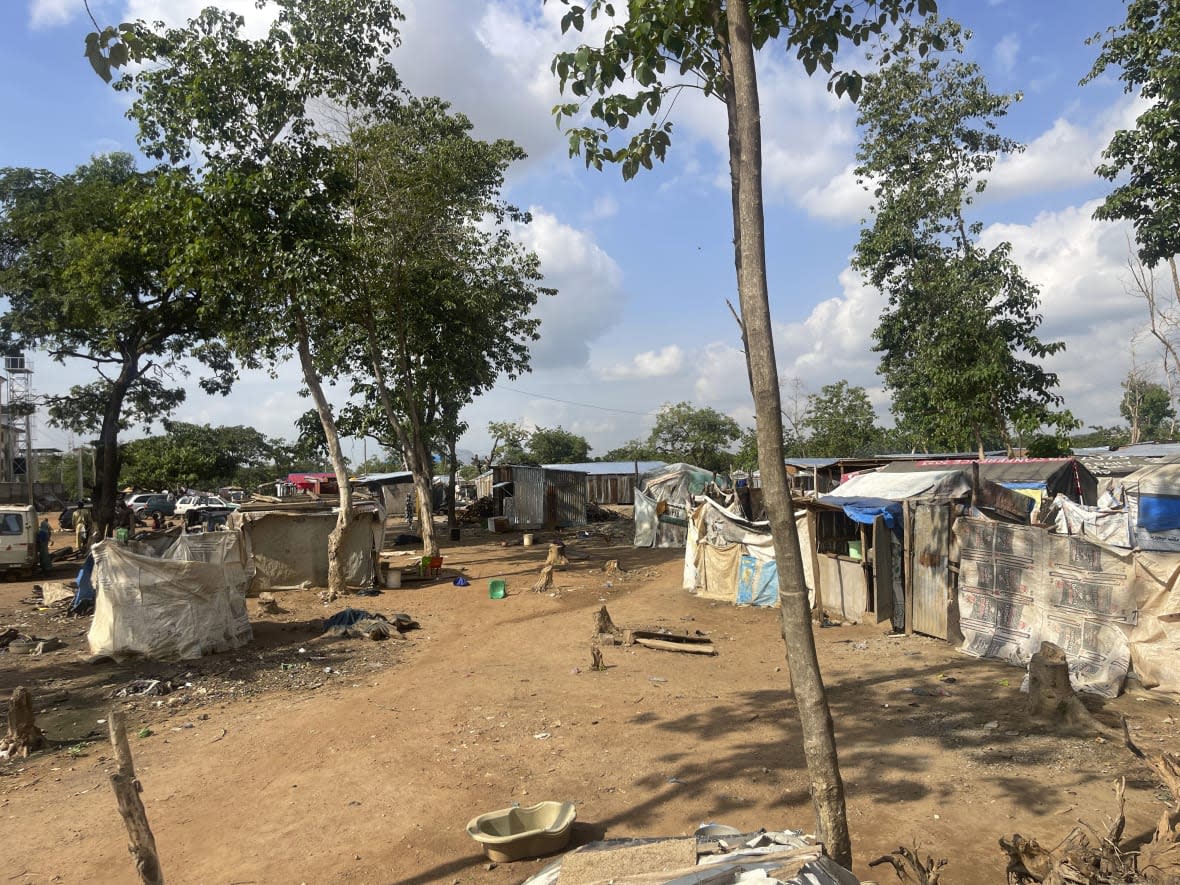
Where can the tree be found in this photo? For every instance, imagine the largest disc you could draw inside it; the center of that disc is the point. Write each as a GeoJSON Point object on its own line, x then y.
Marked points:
{"type": "Point", "coordinates": [88, 263]}
{"type": "Point", "coordinates": [556, 445]}
{"type": "Point", "coordinates": [441, 295]}
{"type": "Point", "coordinates": [274, 227]}
{"type": "Point", "coordinates": [640, 64]}
{"type": "Point", "coordinates": [1146, 406]}
{"type": "Point", "coordinates": [632, 450]}
{"type": "Point", "coordinates": [958, 337]}
{"type": "Point", "coordinates": [702, 437]}
{"type": "Point", "coordinates": [842, 421]}
{"type": "Point", "coordinates": [194, 456]}
{"type": "Point", "coordinates": [1144, 161]}
{"type": "Point", "coordinates": [508, 443]}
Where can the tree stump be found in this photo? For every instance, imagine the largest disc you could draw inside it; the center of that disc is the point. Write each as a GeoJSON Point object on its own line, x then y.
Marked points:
{"type": "Point", "coordinates": [612, 572]}
{"type": "Point", "coordinates": [24, 737]}
{"type": "Point", "coordinates": [596, 663]}
{"type": "Point", "coordinates": [556, 555]}
{"type": "Point", "coordinates": [604, 624]}
{"type": "Point", "coordinates": [1050, 693]}
{"type": "Point", "coordinates": [545, 581]}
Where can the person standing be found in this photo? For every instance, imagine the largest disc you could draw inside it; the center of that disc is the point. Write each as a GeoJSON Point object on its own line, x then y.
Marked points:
{"type": "Point", "coordinates": [43, 558]}
{"type": "Point", "coordinates": [410, 512]}
{"type": "Point", "coordinates": [83, 526]}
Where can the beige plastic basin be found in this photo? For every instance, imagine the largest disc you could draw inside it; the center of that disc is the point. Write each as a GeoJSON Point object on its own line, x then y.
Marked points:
{"type": "Point", "coordinates": [514, 833]}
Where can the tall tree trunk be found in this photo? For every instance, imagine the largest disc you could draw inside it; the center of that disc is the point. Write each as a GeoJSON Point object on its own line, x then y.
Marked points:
{"type": "Point", "coordinates": [452, 458]}
{"type": "Point", "coordinates": [337, 583]}
{"type": "Point", "coordinates": [819, 740]}
{"type": "Point", "coordinates": [107, 457]}
{"type": "Point", "coordinates": [413, 447]}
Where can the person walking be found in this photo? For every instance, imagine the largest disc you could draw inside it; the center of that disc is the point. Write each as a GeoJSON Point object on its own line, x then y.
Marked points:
{"type": "Point", "coordinates": [44, 561]}
{"type": "Point", "coordinates": [83, 526]}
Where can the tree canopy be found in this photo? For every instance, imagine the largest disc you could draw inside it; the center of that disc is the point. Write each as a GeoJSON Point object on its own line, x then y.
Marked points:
{"type": "Point", "coordinates": [198, 456]}
{"type": "Point", "coordinates": [699, 436]}
{"type": "Point", "coordinates": [1144, 162]}
{"type": "Point", "coordinates": [89, 266]}
{"type": "Point", "coordinates": [958, 338]}
{"type": "Point", "coordinates": [842, 422]}
{"type": "Point", "coordinates": [1147, 408]}
{"type": "Point", "coordinates": [556, 445]}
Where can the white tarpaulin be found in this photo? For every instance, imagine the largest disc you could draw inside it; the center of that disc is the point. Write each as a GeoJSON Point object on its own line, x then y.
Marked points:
{"type": "Point", "coordinates": [187, 603]}
{"type": "Point", "coordinates": [901, 486]}
{"type": "Point", "coordinates": [1106, 608]}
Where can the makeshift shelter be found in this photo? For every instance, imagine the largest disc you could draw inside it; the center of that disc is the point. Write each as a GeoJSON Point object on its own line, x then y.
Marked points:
{"type": "Point", "coordinates": [187, 602]}
{"type": "Point", "coordinates": [531, 497]}
{"type": "Point", "coordinates": [290, 545]}
{"type": "Point", "coordinates": [1152, 497]}
{"type": "Point", "coordinates": [1109, 610]}
{"type": "Point", "coordinates": [392, 488]}
{"type": "Point", "coordinates": [882, 542]}
{"type": "Point", "coordinates": [664, 500]}
{"type": "Point", "coordinates": [729, 558]}
{"type": "Point", "coordinates": [1041, 479]}
{"type": "Point", "coordinates": [610, 482]}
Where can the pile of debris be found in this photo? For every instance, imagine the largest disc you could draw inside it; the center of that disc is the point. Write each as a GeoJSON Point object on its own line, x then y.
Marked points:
{"type": "Point", "coordinates": [15, 642]}
{"type": "Point", "coordinates": [595, 513]}
{"type": "Point", "coordinates": [476, 512]}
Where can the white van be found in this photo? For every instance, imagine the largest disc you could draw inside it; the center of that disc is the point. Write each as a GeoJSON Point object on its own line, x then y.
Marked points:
{"type": "Point", "coordinates": [18, 539]}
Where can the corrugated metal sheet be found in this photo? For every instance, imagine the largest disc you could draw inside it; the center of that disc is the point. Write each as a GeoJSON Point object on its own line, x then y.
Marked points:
{"type": "Point", "coordinates": [610, 489]}
{"type": "Point", "coordinates": [528, 492]}
{"type": "Point", "coordinates": [569, 496]}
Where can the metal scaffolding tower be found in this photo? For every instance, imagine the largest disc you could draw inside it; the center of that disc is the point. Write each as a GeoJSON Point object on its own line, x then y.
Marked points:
{"type": "Point", "coordinates": [16, 420]}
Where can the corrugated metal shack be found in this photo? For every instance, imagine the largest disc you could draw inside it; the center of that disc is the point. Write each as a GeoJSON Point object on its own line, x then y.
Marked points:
{"type": "Point", "coordinates": [535, 496]}
{"type": "Point", "coordinates": [610, 482]}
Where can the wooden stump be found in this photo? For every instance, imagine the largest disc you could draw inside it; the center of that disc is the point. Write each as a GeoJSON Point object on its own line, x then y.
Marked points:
{"type": "Point", "coordinates": [612, 572]}
{"type": "Point", "coordinates": [24, 737]}
{"type": "Point", "coordinates": [603, 623]}
{"type": "Point", "coordinates": [545, 581]}
{"type": "Point", "coordinates": [596, 663]}
{"type": "Point", "coordinates": [556, 555]}
{"type": "Point", "coordinates": [126, 788]}
{"type": "Point", "coordinates": [1049, 691]}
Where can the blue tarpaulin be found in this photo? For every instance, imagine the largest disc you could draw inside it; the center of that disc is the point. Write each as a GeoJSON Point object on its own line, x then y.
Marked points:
{"type": "Point", "coordinates": [1159, 513]}
{"type": "Point", "coordinates": [866, 510]}
{"type": "Point", "coordinates": [757, 581]}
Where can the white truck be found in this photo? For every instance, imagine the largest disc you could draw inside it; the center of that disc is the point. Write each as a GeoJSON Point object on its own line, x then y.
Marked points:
{"type": "Point", "coordinates": [18, 540]}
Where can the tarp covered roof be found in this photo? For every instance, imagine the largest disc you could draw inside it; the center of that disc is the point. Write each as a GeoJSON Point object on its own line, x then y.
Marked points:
{"type": "Point", "coordinates": [381, 479]}
{"type": "Point", "coordinates": [893, 486]}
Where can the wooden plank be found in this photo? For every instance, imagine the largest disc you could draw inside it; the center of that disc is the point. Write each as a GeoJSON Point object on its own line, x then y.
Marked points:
{"type": "Point", "coordinates": [126, 787]}
{"type": "Point", "coordinates": [907, 521]}
{"type": "Point", "coordinates": [687, 648]}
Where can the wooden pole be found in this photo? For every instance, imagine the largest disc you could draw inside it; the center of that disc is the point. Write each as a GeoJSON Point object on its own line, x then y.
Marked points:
{"type": "Point", "coordinates": [126, 787]}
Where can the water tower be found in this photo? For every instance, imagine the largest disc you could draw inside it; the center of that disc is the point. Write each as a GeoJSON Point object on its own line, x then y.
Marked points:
{"type": "Point", "coordinates": [16, 424]}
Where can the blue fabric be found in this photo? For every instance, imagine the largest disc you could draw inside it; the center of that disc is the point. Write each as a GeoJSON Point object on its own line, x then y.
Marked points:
{"type": "Point", "coordinates": [1159, 513]}
{"type": "Point", "coordinates": [1025, 485]}
{"type": "Point", "coordinates": [757, 582]}
{"type": "Point", "coordinates": [84, 598]}
{"type": "Point", "coordinates": [866, 510]}
{"type": "Point", "coordinates": [349, 616]}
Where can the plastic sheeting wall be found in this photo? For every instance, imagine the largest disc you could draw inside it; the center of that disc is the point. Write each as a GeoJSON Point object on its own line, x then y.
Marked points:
{"type": "Point", "coordinates": [187, 603]}
{"type": "Point", "coordinates": [290, 549]}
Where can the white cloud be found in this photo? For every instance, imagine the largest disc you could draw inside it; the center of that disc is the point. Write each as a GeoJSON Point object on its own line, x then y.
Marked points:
{"type": "Point", "coordinates": [604, 207]}
{"type": "Point", "coordinates": [842, 198]}
{"type": "Point", "coordinates": [590, 291]}
{"type": "Point", "coordinates": [649, 364]}
{"type": "Point", "coordinates": [50, 13]}
{"type": "Point", "coordinates": [1005, 52]}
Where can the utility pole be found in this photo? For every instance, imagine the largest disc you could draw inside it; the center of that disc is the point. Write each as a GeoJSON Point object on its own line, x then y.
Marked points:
{"type": "Point", "coordinates": [29, 456]}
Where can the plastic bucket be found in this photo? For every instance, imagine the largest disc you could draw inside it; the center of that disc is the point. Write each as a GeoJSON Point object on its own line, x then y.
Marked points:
{"type": "Point", "coordinates": [528, 540]}
{"type": "Point", "coordinates": [393, 576]}
{"type": "Point", "coordinates": [496, 589]}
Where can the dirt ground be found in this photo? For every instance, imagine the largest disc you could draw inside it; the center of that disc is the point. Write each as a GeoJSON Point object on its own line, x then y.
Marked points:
{"type": "Point", "coordinates": [361, 762]}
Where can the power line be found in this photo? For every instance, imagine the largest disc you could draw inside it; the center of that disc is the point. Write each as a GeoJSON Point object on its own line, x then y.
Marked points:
{"type": "Point", "coordinates": [570, 402]}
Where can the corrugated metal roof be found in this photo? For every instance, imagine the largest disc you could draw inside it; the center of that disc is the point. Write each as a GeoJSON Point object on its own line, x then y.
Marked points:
{"type": "Point", "coordinates": [810, 462]}
{"type": "Point", "coordinates": [1149, 450]}
{"type": "Point", "coordinates": [384, 478]}
{"type": "Point", "coordinates": [597, 468]}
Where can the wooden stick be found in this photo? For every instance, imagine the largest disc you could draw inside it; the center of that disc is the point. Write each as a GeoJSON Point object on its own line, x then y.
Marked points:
{"type": "Point", "coordinates": [665, 645]}
{"type": "Point", "coordinates": [126, 787]}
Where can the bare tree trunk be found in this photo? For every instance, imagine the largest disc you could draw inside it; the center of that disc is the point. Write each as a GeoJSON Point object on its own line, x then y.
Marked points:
{"type": "Point", "coordinates": [819, 741]}
{"type": "Point", "coordinates": [107, 457]}
{"type": "Point", "coordinates": [337, 584]}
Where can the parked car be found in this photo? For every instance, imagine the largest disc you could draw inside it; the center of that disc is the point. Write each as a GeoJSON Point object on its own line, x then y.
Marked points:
{"type": "Point", "coordinates": [203, 502]}
{"type": "Point", "coordinates": [149, 505]}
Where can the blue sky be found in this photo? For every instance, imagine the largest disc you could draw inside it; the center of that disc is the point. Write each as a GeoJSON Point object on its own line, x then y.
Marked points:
{"type": "Point", "coordinates": [644, 268]}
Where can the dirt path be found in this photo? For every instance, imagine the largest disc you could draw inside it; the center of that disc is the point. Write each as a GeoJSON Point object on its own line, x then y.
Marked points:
{"type": "Point", "coordinates": [369, 773]}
